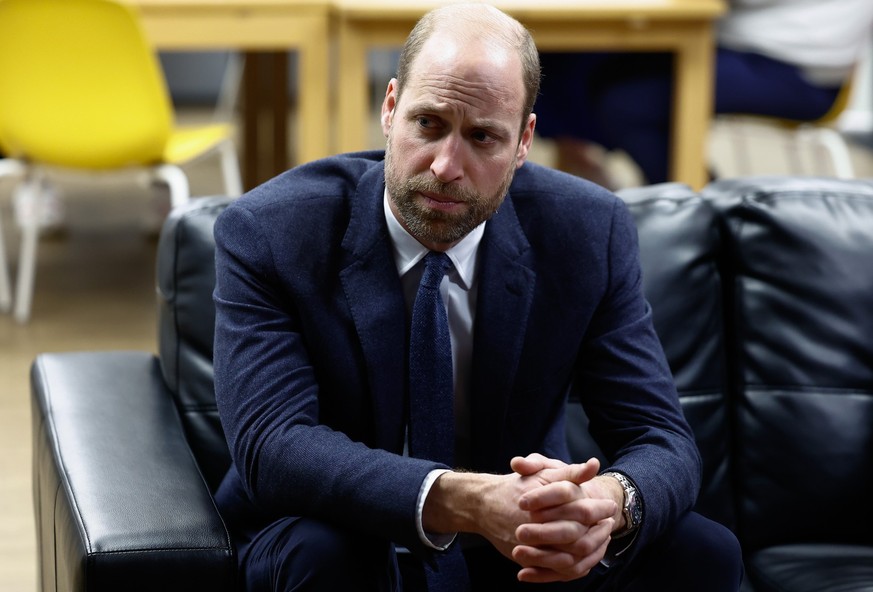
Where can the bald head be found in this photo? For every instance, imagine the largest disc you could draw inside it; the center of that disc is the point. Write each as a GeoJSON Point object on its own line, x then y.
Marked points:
{"type": "Point", "coordinates": [475, 24]}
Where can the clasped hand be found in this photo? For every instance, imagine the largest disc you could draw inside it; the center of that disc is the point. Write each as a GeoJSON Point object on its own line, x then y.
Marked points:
{"type": "Point", "coordinates": [571, 518]}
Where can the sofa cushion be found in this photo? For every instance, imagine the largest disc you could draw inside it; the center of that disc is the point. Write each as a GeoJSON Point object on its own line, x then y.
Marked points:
{"type": "Point", "coordinates": [811, 568]}
{"type": "Point", "coordinates": [186, 323]}
{"type": "Point", "coordinates": [799, 267]}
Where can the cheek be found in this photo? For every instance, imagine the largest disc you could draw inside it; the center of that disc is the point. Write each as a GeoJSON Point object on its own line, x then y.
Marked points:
{"type": "Point", "coordinates": [493, 174]}
{"type": "Point", "coordinates": [410, 155]}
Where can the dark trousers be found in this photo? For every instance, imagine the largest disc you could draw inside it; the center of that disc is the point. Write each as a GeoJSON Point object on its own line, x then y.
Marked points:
{"type": "Point", "coordinates": [624, 101]}
{"type": "Point", "coordinates": [299, 554]}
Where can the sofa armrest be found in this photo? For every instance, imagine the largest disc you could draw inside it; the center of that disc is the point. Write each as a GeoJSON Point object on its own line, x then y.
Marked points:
{"type": "Point", "coordinates": [119, 500]}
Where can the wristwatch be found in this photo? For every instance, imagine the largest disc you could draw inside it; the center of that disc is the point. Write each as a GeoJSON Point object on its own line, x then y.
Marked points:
{"type": "Point", "coordinates": [633, 505]}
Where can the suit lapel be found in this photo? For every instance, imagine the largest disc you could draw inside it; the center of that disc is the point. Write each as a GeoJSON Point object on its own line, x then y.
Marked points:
{"type": "Point", "coordinates": [375, 297]}
{"type": "Point", "coordinates": [506, 289]}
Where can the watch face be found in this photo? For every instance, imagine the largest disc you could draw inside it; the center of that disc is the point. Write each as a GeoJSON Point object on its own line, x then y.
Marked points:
{"type": "Point", "coordinates": [634, 508]}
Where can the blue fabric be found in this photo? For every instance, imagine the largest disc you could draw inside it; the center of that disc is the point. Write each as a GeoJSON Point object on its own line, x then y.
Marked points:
{"type": "Point", "coordinates": [431, 402]}
{"type": "Point", "coordinates": [293, 554]}
{"type": "Point", "coordinates": [623, 101]}
{"type": "Point", "coordinates": [431, 409]}
{"type": "Point", "coordinates": [311, 350]}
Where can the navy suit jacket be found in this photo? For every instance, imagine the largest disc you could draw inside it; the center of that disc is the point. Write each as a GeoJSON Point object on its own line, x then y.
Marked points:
{"type": "Point", "coordinates": [311, 342]}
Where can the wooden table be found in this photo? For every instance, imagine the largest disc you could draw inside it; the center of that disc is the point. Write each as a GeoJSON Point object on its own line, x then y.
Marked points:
{"type": "Point", "coordinates": [261, 28]}
{"type": "Point", "coordinates": [683, 27]}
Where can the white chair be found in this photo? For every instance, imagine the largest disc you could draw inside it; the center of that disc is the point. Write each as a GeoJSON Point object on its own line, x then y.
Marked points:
{"type": "Point", "coordinates": [804, 142]}
{"type": "Point", "coordinates": [83, 92]}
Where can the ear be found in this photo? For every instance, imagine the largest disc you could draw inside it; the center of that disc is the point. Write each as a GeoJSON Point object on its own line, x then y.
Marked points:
{"type": "Point", "coordinates": [526, 140]}
{"type": "Point", "coordinates": [389, 103]}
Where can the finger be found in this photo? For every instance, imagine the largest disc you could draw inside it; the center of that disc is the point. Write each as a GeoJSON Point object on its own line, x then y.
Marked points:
{"type": "Point", "coordinates": [549, 495]}
{"type": "Point", "coordinates": [550, 534]}
{"type": "Point", "coordinates": [586, 511]}
{"type": "Point", "coordinates": [544, 565]}
{"type": "Point", "coordinates": [565, 535]}
{"type": "Point", "coordinates": [561, 567]}
{"type": "Point", "coordinates": [544, 557]}
{"type": "Point", "coordinates": [533, 463]}
{"type": "Point", "coordinates": [577, 473]}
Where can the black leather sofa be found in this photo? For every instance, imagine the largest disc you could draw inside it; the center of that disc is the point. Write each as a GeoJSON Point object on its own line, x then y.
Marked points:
{"type": "Point", "coordinates": [762, 292]}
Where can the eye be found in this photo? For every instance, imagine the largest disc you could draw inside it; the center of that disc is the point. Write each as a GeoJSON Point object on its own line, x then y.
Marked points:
{"type": "Point", "coordinates": [482, 137]}
{"type": "Point", "coordinates": [425, 122]}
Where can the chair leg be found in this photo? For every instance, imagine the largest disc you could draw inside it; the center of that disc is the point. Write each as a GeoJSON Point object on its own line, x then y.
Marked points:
{"type": "Point", "coordinates": [230, 169]}
{"type": "Point", "coordinates": [835, 145]}
{"type": "Point", "coordinates": [177, 180]}
{"type": "Point", "coordinates": [5, 286]}
{"type": "Point", "coordinates": [8, 167]}
{"type": "Point", "coordinates": [738, 134]}
{"type": "Point", "coordinates": [794, 154]}
{"type": "Point", "coordinates": [27, 257]}
{"type": "Point", "coordinates": [228, 95]}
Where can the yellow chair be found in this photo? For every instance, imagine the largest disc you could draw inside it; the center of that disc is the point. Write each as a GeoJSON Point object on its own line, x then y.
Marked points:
{"type": "Point", "coordinates": [82, 90]}
{"type": "Point", "coordinates": [809, 137]}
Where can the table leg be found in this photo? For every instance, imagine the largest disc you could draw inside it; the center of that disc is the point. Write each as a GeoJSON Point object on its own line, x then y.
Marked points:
{"type": "Point", "coordinates": [313, 91]}
{"type": "Point", "coordinates": [265, 107]}
{"type": "Point", "coordinates": [251, 92]}
{"type": "Point", "coordinates": [353, 100]}
{"type": "Point", "coordinates": [692, 108]}
{"type": "Point", "coordinates": [279, 83]}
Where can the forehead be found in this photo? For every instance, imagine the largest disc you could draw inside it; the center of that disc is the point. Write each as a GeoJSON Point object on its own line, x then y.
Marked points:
{"type": "Point", "coordinates": [476, 75]}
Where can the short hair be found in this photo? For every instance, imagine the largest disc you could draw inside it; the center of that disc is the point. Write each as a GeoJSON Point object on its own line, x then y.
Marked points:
{"type": "Point", "coordinates": [502, 27]}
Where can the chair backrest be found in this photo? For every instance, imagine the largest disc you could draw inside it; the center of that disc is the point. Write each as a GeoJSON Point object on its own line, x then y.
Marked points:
{"type": "Point", "coordinates": [81, 87]}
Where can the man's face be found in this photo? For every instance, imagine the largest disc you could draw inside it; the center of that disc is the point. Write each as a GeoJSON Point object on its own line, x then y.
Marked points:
{"type": "Point", "coordinates": [454, 139]}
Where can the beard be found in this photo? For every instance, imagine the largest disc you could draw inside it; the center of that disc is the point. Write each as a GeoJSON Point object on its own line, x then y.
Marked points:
{"type": "Point", "coordinates": [436, 226]}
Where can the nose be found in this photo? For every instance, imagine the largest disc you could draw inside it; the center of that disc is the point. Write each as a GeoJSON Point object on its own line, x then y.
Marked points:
{"type": "Point", "coordinates": [447, 165]}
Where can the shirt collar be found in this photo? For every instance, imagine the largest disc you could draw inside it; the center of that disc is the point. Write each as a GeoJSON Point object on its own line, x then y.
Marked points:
{"type": "Point", "coordinates": [408, 251]}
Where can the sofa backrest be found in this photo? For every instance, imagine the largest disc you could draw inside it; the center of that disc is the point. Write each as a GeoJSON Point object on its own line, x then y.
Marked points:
{"type": "Point", "coordinates": [186, 320]}
{"type": "Point", "coordinates": [797, 259]}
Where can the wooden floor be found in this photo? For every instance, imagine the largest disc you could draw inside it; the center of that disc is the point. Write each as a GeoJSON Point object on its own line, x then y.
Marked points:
{"type": "Point", "coordinates": [95, 291]}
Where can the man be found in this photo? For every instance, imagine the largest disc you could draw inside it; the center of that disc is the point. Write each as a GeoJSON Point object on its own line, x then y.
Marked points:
{"type": "Point", "coordinates": [318, 371]}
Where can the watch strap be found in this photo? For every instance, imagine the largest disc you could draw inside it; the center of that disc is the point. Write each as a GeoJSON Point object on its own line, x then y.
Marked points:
{"type": "Point", "coordinates": [632, 509]}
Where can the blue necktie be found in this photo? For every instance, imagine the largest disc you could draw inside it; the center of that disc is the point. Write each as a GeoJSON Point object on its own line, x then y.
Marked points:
{"type": "Point", "coordinates": [431, 386]}
{"type": "Point", "coordinates": [431, 403]}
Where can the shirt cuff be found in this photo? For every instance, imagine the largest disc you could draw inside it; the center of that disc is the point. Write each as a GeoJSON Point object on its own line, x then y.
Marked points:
{"type": "Point", "coordinates": [617, 547]}
{"type": "Point", "coordinates": [440, 542]}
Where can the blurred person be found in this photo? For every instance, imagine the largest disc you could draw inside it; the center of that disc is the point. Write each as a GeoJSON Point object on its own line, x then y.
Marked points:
{"type": "Point", "coordinates": [777, 58]}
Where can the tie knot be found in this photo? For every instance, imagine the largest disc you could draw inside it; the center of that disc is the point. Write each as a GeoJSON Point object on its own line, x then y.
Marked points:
{"type": "Point", "coordinates": [435, 266]}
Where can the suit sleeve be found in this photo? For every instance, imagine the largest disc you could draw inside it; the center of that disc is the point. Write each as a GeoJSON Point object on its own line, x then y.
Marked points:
{"type": "Point", "coordinates": [628, 391]}
{"type": "Point", "coordinates": [268, 399]}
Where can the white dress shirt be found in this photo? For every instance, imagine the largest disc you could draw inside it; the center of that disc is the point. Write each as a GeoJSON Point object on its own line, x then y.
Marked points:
{"type": "Point", "coordinates": [458, 290]}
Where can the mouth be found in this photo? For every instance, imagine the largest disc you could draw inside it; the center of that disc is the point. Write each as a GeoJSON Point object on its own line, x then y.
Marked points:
{"type": "Point", "coordinates": [440, 201]}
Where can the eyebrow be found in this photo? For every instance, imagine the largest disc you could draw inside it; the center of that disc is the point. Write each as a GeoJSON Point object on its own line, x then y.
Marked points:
{"type": "Point", "coordinates": [486, 124]}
